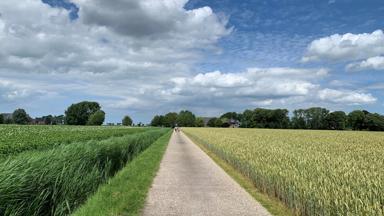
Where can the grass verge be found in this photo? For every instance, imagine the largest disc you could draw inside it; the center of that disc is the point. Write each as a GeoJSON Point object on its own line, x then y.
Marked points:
{"type": "Point", "coordinates": [57, 181]}
{"type": "Point", "coordinates": [273, 205]}
{"type": "Point", "coordinates": [125, 193]}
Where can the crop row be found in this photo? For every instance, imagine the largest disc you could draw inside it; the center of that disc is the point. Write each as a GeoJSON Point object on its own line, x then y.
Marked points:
{"type": "Point", "coordinates": [312, 172]}
{"type": "Point", "coordinates": [56, 181]}
{"type": "Point", "coordinates": [15, 139]}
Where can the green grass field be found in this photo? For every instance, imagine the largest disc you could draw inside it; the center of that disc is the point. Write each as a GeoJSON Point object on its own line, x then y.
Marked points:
{"type": "Point", "coordinates": [57, 179]}
{"type": "Point", "coordinates": [18, 138]}
{"type": "Point", "coordinates": [312, 172]}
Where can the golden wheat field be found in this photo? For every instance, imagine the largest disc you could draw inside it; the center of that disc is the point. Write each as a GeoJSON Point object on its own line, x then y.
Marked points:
{"type": "Point", "coordinates": [312, 172]}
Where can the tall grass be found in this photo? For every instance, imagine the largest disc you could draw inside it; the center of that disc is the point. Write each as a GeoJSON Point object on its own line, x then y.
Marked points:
{"type": "Point", "coordinates": [125, 193]}
{"type": "Point", "coordinates": [55, 182]}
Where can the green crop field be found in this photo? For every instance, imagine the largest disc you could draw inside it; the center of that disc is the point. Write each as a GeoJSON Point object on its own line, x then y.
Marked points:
{"type": "Point", "coordinates": [312, 172]}
{"type": "Point", "coordinates": [18, 138]}
{"type": "Point", "coordinates": [46, 177]}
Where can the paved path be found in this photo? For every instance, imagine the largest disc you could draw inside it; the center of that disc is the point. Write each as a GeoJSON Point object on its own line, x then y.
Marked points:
{"type": "Point", "coordinates": [190, 183]}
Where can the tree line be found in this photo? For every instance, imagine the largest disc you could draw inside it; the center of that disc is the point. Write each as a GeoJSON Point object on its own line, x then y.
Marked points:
{"type": "Point", "coordinates": [315, 118]}
{"type": "Point", "coordinates": [184, 118]}
{"type": "Point", "coordinates": [83, 113]}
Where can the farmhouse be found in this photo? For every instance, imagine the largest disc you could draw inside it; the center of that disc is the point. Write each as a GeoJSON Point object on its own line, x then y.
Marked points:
{"type": "Point", "coordinates": [233, 123]}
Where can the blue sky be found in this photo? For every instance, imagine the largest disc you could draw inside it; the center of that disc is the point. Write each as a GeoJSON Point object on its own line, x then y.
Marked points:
{"type": "Point", "coordinates": [210, 56]}
{"type": "Point", "coordinates": [276, 32]}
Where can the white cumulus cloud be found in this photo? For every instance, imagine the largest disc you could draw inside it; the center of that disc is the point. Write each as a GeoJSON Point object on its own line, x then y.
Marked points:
{"type": "Point", "coordinates": [346, 47]}
{"type": "Point", "coordinates": [346, 96]}
{"type": "Point", "coordinates": [373, 63]}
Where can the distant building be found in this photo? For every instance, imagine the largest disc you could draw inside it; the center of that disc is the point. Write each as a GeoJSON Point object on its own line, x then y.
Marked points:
{"type": "Point", "coordinates": [233, 123]}
{"type": "Point", "coordinates": [38, 121]}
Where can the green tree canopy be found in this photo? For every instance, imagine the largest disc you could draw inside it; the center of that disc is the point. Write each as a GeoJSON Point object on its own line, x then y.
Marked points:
{"type": "Point", "coordinates": [316, 118]}
{"type": "Point", "coordinates": [212, 122]}
{"type": "Point", "coordinates": [356, 120]}
{"type": "Point", "coordinates": [299, 119]}
{"type": "Point", "coordinates": [48, 120]}
{"type": "Point", "coordinates": [186, 119]}
{"type": "Point", "coordinates": [199, 122]}
{"type": "Point", "coordinates": [1, 119]}
{"type": "Point", "coordinates": [265, 118]}
{"type": "Point", "coordinates": [231, 115]}
{"type": "Point", "coordinates": [96, 118]}
{"type": "Point", "coordinates": [127, 121]}
{"type": "Point", "coordinates": [78, 114]}
{"type": "Point", "coordinates": [336, 120]}
{"type": "Point", "coordinates": [375, 122]}
{"type": "Point", "coordinates": [247, 120]}
{"type": "Point", "coordinates": [158, 121]}
{"type": "Point", "coordinates": [19, 116]}
{"type": "Point", "coordinates": [170, 119]}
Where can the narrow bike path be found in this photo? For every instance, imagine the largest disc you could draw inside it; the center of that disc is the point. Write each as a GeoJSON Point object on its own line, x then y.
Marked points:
{"type": "Point", "coordinates": [189, 182]}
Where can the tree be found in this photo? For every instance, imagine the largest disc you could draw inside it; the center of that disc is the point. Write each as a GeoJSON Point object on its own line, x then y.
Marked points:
{"type": "Point", "coordinates": [8, 121]}
{"type": "Point", "coordinates": [186, 119]}
{"type": "Point", "coordinates": [78, 114]}
{"type": "Point", "coordinates": [224, 122]}
{"type": "Point", "coordinates": [1, 119]}
{"type": "Point", "coordinates": [280, 119]}
{"type": "Point", "coordinates": [127, 121]}
{"type": "Point", "coordinates": [96, 118]}
{"type": "Point", "coordinates": [265, 118]}
{"type": "Point", "coordinates": [170, 119]}
{"type": "Point", "coordinates": [199, 122]}
{"type": "Point", "coordinates": [48, 120]}
{"type": "Point", "coordinates": [336, 120]}
{"type": "Point", "coordinates": [374, 122]}
{"type": "Point", "coordinates": [356, 120]}
{"type": "Point", "coordinates": [158, 121]}
{"type": "Point", "coordinates": [219, 123]}
{"type": "Point", "coordinates": [247, 120]}
{"type": "Point", "coordinates": [299, 119]}
{"type": "Point", "coordinates": [212, 122]}
{"type": "Point", "coordinates": [58, 120]}
{"type": "Point", "coordinates": [19, 116]}
{"type": "Point", "coordinates": [230, 115]}
{"type": "Point", "coordinates": [316, 118]}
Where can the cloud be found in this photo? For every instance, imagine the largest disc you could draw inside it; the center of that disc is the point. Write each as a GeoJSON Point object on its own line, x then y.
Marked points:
{"type": "Point", "coordinates": [118, 57]}
{"type": "Point", "coordinates": [270, 87]}
{"type": "Point", "coordinates": [143, 55]}
{"type": "Point", "coordinates": [119, 40]}
{"type": "Point", "coordinates": [11, 91]}
{"type": "Point", "coordinates": [253, 83]}
{"type": "Point", "coordinates": [373, 63]}
{"type": "Point", "coordinates": [155, 20]}
{"type": "Point", "coordinates": [346, 96]}
{"type": "Point", "coordinates": [347, 47]}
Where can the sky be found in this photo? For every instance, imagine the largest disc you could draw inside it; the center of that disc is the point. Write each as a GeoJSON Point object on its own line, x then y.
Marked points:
{"type": "Point", "coordinates": [147, 57]}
